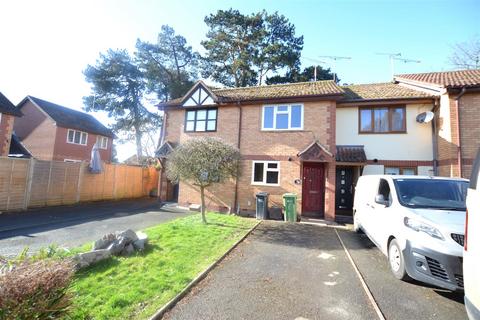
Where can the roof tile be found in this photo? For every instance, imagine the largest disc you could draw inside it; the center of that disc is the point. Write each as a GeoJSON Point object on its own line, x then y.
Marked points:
{"type": "Point", "coordinates": [8, 107]}
{"type": "Point", "coordinates": [380, 91]}
{"type": "Point", "coordinates": [447, 79]}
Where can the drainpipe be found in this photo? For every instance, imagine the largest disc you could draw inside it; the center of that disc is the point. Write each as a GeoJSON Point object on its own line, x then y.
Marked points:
{"type": "Point", "coordinates": [434, 136]}
{"type": "Point", "coordinates": [457, 119]}
{"type": "Point", "coordinates": [239, 137]}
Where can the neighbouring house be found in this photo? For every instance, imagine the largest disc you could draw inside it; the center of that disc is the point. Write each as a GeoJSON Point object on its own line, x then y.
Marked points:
{"type": "Point", "coordinates": [457, 116]}
{"type": "Point", "coordinates": [8, 113]}
{"type": "Point", "coordinates": [53, 132]}
{"type": "Point", "coordinates": [313, 139]}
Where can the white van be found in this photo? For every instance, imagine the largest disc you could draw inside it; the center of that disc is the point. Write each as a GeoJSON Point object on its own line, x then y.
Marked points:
{"type": "Point", "coordinates": [471, 253]}
{"type": "Point", "coordinates": [418, 222]}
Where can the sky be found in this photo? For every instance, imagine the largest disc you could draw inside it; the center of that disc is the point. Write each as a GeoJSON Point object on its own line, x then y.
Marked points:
{"type": "Point", "coordinates": [45, 45]}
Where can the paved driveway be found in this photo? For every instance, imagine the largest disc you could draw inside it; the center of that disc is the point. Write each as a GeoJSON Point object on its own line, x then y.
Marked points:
{"type": "Point", "coordinates": [298, 271]}
{"type": "Point", "coordinates": [70, 226]}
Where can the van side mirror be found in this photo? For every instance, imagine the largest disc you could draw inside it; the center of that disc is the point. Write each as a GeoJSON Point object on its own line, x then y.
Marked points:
{"type": "Point", "coordinates": [380, 199]}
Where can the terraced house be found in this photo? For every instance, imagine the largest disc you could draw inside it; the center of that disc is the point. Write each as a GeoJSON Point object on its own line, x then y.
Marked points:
{"type": "Point", "coordinates": [314, 139]}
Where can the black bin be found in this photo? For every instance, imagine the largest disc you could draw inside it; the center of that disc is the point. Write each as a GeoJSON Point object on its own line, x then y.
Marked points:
{"type": "Point", "coordinates": [262, 206]}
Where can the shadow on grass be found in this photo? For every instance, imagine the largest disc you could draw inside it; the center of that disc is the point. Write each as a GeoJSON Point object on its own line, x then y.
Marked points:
{"type": "Point", "coordinates": [223, 225]}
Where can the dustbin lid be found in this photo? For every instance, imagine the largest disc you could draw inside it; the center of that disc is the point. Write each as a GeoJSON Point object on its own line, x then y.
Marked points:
{"type": "Point", "coordinates": [262, 194]}
{"type": "Point", "coordinates": [289, 195]}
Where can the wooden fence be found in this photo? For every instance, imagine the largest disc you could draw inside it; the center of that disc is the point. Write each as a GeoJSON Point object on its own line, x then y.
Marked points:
{"type": "Point", "coordinates": [26, 183]}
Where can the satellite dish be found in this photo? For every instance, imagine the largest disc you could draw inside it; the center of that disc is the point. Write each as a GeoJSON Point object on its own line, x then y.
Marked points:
{"type": "Point", "coordinates": [425, 117]}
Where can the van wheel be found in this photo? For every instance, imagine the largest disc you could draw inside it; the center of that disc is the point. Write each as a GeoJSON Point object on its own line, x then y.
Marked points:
{"type": "Point", "coordinates": [396, 261]}
{"type": "Point", "coordinates": [356, 226]}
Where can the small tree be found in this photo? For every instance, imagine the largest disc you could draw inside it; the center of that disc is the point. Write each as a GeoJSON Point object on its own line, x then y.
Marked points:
{"type": "Point", "coordinates": [203, 162]}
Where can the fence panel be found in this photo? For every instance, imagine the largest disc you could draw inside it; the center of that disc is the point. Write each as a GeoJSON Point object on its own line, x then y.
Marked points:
{"type": "Point", "coordinates": [34, 183]}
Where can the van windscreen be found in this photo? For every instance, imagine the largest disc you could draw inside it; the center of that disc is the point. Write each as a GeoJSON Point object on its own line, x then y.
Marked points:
{"type": "Point", "coordinates": [432, 193]}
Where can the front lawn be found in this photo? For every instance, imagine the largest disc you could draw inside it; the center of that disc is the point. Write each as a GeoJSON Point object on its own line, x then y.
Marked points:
{"type": "Point", "coordinates": [137, 286]}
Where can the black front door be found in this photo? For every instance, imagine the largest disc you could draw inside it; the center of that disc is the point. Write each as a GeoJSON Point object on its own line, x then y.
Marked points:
{"type": "Point", "coordinates": [344, 191]}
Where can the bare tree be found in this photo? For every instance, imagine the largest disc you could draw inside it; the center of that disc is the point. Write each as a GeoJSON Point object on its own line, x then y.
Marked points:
{"type": "Point", "coordinates": [202, 162]}
{"type": "Point", "coordinates": [466, 55]}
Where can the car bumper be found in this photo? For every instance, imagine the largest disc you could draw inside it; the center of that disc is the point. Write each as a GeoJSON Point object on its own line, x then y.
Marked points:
{"type": "Point", "coordinates": [433, 267]}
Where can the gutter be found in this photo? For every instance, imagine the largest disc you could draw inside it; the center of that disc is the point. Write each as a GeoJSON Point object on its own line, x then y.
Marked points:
{"type": "Point", "coordinates": [459, 141]}
{"type": "Point", "coordinates": [434, 136]}
{"type": "Point", "coordinates": [236, 206]}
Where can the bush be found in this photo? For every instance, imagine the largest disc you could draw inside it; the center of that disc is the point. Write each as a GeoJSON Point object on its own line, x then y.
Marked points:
{"type": "Point", "coordinates": [36, 290]}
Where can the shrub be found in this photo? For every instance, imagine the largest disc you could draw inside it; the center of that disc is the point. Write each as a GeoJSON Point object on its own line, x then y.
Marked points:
{"type": "Point", "coordinates": [36, 289]}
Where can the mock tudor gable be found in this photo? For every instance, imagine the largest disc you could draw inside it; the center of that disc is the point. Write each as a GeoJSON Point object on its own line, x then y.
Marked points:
{"type": "Point", "coordinates": [200, 95]}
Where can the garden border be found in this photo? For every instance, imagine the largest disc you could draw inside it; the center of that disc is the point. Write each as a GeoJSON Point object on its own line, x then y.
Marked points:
{"type": "Point", "coordinates": [169, 305]}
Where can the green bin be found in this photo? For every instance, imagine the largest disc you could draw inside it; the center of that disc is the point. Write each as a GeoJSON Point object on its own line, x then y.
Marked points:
{"type": "Point", "coordinates": [290, 207]}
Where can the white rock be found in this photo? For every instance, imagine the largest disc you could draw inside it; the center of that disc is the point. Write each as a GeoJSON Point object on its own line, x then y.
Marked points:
{"type": "Point", "coordinates": [141, 242]}
{"type": "Point", "coordinates": [128, 234]}
{"type": "Point", "coordinates": [88, 258]}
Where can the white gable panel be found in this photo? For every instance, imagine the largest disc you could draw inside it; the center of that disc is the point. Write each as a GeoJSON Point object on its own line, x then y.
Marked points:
{"type": "Point", "coordinates": [208, 101]}
{"type": "Point", "coordinates": [190, 103]}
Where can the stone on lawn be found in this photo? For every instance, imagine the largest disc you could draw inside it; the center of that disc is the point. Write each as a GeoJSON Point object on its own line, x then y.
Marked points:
{"type": "Point", "coordinates": [104, 242]}
{"type": "Point", "coordinates": [128, 250]}
{"type": "Point", "coordinates": [117, 246]}
{"type": "Point", "coordinates": [141, 242]}
{"type": "Point", "coordinates": [88, 258]}
{"type": "Point", "coordinates": [128, 234]}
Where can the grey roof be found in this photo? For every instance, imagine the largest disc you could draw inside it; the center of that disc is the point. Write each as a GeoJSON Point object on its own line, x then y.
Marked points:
{"type": "Point", "coordinates": [69, 118]}
{"type": "Point", "coordinates": [350, 154]}
{"type": "Point", "coordinates": [7, 107]}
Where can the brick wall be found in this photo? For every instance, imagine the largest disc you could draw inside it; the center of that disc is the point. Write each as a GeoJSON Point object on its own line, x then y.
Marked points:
{"type": "Point", "coordinates": [469, 109]}
{"type": "Point", "coordinates": [255, 144]}
{"type": "Point", "coordinates": [6, 127]}
{"type": "Point", "coordinates": [64, 150]}
{"type": "Point", "coordinates": [36, 131]}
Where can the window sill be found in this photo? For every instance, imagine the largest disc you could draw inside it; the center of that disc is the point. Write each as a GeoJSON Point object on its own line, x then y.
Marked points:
{"type": "Point", "coordinates": [265, 184]}
{"type": "Point", "coordinates": [390, 132]}
{"type": "Point", "coordinates": [281, 130]}
{"type": "Point", "coordinates": [77, 144]}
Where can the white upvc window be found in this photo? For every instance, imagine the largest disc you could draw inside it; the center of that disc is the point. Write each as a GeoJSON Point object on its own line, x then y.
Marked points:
{"type": "Point", "coordinates": [77, 137]}
{"type": "Point", "coordinates": [72, 160]}
{"type": "Point", "coordinates": [102, 142]}
{"type": "Point", "coordinates": [282, 117]}
{"type": "Point", "coordinates": [266, 173]}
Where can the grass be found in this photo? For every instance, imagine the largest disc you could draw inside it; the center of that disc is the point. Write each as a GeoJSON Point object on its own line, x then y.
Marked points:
{"type": "Point", "coordinates": [135, 287]}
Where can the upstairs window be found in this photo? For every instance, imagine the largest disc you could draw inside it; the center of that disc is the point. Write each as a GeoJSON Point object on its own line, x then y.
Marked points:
{"type": "Point", "coordinates": [102, 142]}
{"type": "Point", "coordinates": [266, 172]}
{"type": "Point", "coordinates": [382, 120]}
{"type": "Point", "coordinates": [77, 137]}
{"type": "Point", "coordinates": [201, 120]}
{"type": "Point", "coordinates": [283, 117]}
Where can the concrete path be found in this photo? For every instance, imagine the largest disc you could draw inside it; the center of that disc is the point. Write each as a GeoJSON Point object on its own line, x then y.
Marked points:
{"type": "Point", "coordinates": [281, 271]}
{"type": "Point", "coordinates": [70, 226]}
{"type": "Point", "coordinates": [298, 271]}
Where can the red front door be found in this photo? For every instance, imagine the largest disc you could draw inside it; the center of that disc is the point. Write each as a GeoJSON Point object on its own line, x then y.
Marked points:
{"type": "Point", "coordinates": [313, 191]}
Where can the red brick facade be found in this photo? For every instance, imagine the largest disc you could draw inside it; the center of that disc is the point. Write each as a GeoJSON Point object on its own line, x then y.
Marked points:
{"type": "Point", "coordinates": [468, 108]}
{"type": "Point", "coordinates": [46, 141]}
{"type": "Point", "coordinates": [255, 144]}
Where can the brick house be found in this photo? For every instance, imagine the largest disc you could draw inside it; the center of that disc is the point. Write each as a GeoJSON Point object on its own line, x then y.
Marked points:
{"type": "Point", "coordinates": [8, 113]}
{"type": "Point", "coordinates": [457, 114]}
{"type": "Point", "coordinates": [53, 132]}
{"type": "Point", "coordinates": [313, 139]}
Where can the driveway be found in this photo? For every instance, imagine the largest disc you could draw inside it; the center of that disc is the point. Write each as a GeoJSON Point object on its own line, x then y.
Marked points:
{"type": "Point", "coordinates": [299, 271]}
{"type": "Point", "coordinates": [70, 226]}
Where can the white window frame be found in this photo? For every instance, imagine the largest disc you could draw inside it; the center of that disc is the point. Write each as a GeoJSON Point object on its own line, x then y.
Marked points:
{"type": "Point", "coordinates": [289, 112]}
{"type": "Point", "coordinates": [72, 160]}
{"type": "Point", "coordinates": [101, 139]}
{"type": "Point", "coordinates": [81, 134]}
{"type": "Point", "coordinates": [265, 169]}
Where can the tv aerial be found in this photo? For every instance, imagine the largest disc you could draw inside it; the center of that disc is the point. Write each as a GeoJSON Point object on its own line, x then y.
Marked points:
{"type": "Point", "coordinates": [334, 62]}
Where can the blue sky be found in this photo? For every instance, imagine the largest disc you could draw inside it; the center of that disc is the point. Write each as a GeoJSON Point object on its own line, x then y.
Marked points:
{"type": "Point", "coordinates": [46, 44]}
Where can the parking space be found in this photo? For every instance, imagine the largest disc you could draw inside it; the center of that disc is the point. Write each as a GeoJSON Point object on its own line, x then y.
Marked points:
{"type": "Point", "coordinates": [398, 299]}
{"type": "Point", "coordinates": [298, 271]}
